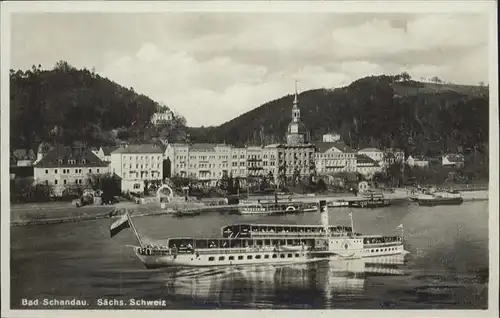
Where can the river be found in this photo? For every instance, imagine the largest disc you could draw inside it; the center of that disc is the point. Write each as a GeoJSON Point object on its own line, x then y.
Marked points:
{"type": "Point", "coordinates": [447, 267]}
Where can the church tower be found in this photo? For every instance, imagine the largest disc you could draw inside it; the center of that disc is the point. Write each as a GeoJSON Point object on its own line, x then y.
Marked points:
{"type": "Point", "coordinates": [296, 129]}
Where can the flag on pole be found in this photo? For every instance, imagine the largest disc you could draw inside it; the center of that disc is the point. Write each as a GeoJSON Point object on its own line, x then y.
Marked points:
{"type": "Point", "coordinates": [119, 225]}
{"type": "Point", "coordinates": [400, 226]}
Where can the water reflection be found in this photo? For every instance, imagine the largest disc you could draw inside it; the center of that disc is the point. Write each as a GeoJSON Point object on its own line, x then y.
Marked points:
{"type": "Point", "coordinates": [261, 286]}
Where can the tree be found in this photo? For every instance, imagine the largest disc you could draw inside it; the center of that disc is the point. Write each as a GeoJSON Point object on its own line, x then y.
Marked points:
{"type": "Point", "coordinates": [405, 76]}
{"type": "Point", "coordinates": [321, 185]}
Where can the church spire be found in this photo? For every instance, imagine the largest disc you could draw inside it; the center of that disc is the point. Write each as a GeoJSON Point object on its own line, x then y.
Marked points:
{"type": "Point", "coordinates": [296, 100]}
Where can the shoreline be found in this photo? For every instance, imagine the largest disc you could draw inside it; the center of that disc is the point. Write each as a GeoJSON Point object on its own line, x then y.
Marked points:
{"type": "Point", "coordinates": [56, 212]}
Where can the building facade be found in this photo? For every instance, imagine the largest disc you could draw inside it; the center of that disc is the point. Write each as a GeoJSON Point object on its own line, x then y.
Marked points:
{"type": "Point", "coordinates": [334, 157]}
{"type": "Point", "coordinates": [135, 164]}
{"type": "Point", "coordinates": [373, 153]}
{"type": "Point", "coordinates": [331, 137]}
{"type": "Point", "coordinates": [367, 166]}
{"type": "Point", "coordinates": [162, 116]}
{"type": "Point", "coordinates": [68, 167]}
{"type": "Point", "coordinates": [417, 161]}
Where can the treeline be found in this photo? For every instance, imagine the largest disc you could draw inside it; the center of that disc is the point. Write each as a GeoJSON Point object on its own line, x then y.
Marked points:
{"type": "Point", "coordinates": [65, 104]}
{"type": "Point", "coordinates": [376, 111]}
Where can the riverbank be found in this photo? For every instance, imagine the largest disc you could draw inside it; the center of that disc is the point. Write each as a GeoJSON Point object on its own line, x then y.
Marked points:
{"type": "Point", "coordinates": [57, 212]}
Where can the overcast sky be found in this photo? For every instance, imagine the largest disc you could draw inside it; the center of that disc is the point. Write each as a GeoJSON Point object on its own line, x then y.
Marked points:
{"type": "Point", "coordinates": [212, 67]}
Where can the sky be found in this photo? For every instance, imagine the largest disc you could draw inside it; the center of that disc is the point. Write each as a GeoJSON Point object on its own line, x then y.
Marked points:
{"type": "Point", "coordinates": [211, 67]}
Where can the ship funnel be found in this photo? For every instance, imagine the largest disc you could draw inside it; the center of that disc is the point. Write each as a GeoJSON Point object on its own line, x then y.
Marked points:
{"type": "Point", "coordinates": [323, 210]}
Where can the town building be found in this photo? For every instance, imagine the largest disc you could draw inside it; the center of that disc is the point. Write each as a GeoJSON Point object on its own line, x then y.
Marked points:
{"type": "Point", "coordinates": [135, 164]}
{"type": "Point", "coordinates": [453, 160]}
{"type": "Point", "coordinates": [392, 156]}
{"type": "Point", "coordinates": [162, 116]}
{"type": "Point", "coordinates": [333, 137]}
{"type": "Point", "coordinates": [334, 157]}
{"type": "Point", "coordinates": [366, 165]}
{"type": "Point", "coordinates": [375, 154]}
{"type": "Point", "coordinates": [417, 161]}
{"type": "Point", "coordinates": [104, 153]}
{"type": "Point", "coordinates": [270, 161]}
{"type": "Point", "coordinates": [297, 155]}
{"type": "Point", "coordinates": [22, 157]}
{"type": "Point", "coordinates": [239, 162]}
{"type": "Point", "coordinates": [68, 167]}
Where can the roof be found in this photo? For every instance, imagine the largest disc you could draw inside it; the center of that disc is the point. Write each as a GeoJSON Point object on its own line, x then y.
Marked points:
{"type": "Point", "coordinates": [369, 150]}
{"type": "Point", "coordinates": [323, 146]}
{"type": "Point", "coordinates": [59, 156]}
{"type": "Point", "coordinates": [365, 159]}
{"type": "Point", "coordinates": [272, 146]}
{"type": "Point", "coordinates": [144, 148]}
{"type": "Point", "coordinates": [23, 154]}
{"type": "Point", "coordinates": [108, 150]}
{"type": "Point", "coordinates": [202, 147]}
{"type": "Point", "coordinates": [455, 157]}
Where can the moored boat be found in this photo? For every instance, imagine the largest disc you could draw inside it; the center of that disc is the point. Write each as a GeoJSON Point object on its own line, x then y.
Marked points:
{"type": "Point", "coordinates": [242, 244]}
{"type": "Point", "coordinates": [273, 208]}
{"type": "Point", "coordinates": [441, 197]}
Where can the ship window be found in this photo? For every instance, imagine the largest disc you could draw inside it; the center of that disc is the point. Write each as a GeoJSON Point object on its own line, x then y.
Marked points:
{"type": "Point", "coordinates": [373, 251]}
{"type": "Point", "coordinates": [376, 250]}
{"type": "Point", "coordinates": [275, 256]}
{"type": "Point", "coordinates": [282, 255]}
{"type": "Point", "coordinates": [290, 255]}
{"type": "Point", "coordinates": [266, 256]}
{"type": "Point", "coordinates": [211, 259]}
{"type": "Point", "coordinates": [240, 257]}
{"type": "Point", "coordinates": [231, 258]}
{"type": "Point", "coordinates": [221, 258]}
{"type": "Point", "coordinates": [297, 255]}
{"type": "Point", "coordinates": [249, 257]}
{"type": "Point", "coordinates": [257, 256]}
{"type": "Point", "coordinates": [259, 242]}
{"type": "Point", "coordinates": [267, 242]}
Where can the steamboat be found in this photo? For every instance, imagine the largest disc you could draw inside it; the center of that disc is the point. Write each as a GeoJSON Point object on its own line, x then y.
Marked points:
{"type": "Point", "coordinates": [276, 208]}
{"type": "Point", "coordinates": [245, 244]}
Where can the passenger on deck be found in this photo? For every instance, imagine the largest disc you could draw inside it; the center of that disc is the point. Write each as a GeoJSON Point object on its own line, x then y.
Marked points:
{"type": "Point", "coordinates": [212, 245]}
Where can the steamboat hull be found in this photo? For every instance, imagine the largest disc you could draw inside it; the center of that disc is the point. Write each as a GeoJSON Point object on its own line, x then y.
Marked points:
{"type": "Point", "coordinates": [258, 258]}
{"type": "Point", "coordinates": [440, 201]}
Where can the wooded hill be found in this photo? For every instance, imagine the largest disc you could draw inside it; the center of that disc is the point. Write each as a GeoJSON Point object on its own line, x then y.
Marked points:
{"type": "Point", "coordinates": [376, 111]}
{"type": "Point", "coordinates": [66, 105]}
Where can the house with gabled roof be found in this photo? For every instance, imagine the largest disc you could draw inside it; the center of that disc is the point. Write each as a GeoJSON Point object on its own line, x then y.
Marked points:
{"type": "Point", "coordinates": [453, 160]}
{"type": "Point", "coordinates": [65, 167]}
{"type": "Point", "coordinates": [334, 157]}
{"type": "Point", "coordinates": [136, 164]}
{"type": "Point", "coordinates": [366, 165]}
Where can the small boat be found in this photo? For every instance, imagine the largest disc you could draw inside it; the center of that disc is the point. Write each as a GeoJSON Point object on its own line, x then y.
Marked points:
{"type": "Point", "coordinates": [273, 208]}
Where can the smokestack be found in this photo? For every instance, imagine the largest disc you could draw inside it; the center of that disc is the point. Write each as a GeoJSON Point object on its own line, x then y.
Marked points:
{"type": "Point", "coordinates": [323, 210]}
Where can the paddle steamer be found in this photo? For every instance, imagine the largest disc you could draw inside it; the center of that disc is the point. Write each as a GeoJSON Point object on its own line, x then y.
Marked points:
{"type": "Point", "coordinates": [273, 208]}
{"type": "Point", "coordinates": [241, 244]}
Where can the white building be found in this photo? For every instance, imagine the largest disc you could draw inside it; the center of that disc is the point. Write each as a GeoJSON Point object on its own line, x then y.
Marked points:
{"type": "Point", "coordinates": [417, 161]}
{"type": "Point", "coordinates": [374, 153]}
{"type": "Point", "coordinates": [135, 164]}
{"type": "Point", "coordinates": [104, 153]}
{"type": "Point", "coordinates": [366, 165]}
{"type": "Point", "coordinates": [270, 160]}
{"type": "Point", "coordinates": [331, 137]}
{"type": "Point", "coordinates": [332, 157]}
{"type": "Point", "coordinates": [453, 160]}
{"type": "Point", "coordinates": [162, 116]}
{"type": "Point", "coordinates": [68, 167]}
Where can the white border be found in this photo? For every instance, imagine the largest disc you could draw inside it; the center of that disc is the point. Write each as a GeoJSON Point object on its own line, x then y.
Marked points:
{"type": "Point", "coordinates": [250, 6]}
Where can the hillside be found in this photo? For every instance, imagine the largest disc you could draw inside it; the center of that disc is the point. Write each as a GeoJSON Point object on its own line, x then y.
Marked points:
{"type": "Point", "coordinates": [65, 105]}
{"type": "Point", "coordinates": [377, 111]}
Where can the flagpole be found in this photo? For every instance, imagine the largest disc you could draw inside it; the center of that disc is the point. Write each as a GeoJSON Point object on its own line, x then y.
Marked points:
{"type": "Point", "coordinates": [352, 223]}
{"type": "Point", "coordinates": [134, 229]}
